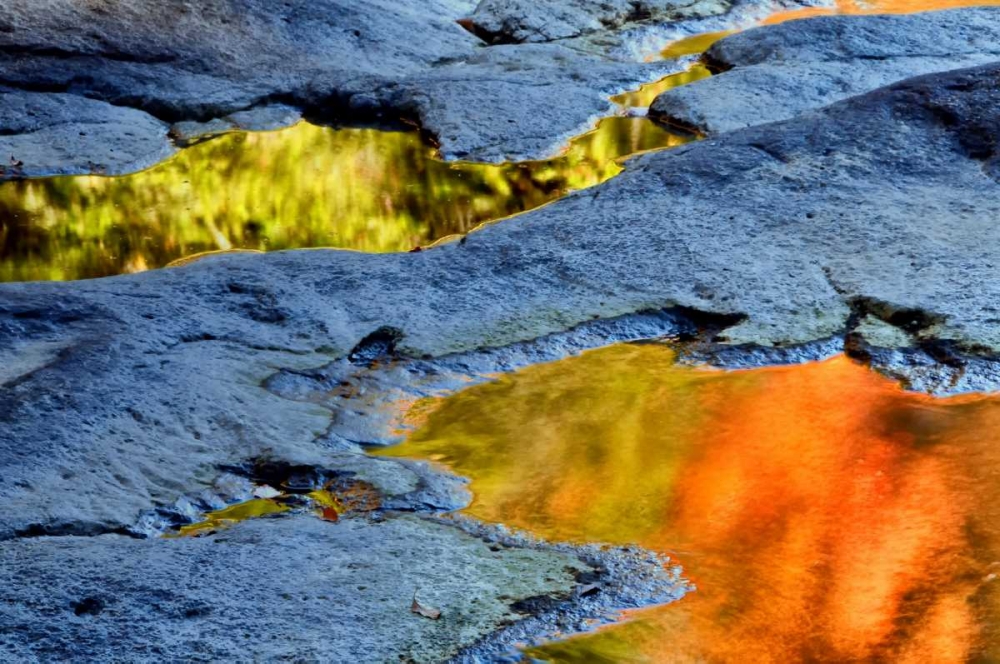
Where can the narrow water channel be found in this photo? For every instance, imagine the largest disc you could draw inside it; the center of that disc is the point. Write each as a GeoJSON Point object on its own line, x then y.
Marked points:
{"type": "Point", "coordinates": [822, 513]}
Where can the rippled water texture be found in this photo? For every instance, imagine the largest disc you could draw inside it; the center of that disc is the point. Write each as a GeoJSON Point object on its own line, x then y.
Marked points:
{"type": "Point", "coordinates": [306, 186]}
{"type": "Point", "coordinates": [822, 513]}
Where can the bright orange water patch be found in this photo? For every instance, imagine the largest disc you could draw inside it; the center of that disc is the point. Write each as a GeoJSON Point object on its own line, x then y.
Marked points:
{"type": "Point", "coordinates": [822, 513]}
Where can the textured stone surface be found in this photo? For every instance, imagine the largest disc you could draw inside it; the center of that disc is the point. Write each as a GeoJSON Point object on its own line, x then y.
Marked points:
{"type": "Point", "coordinates": [510, 103]}
{"type": "Point", "coordinates": [777, 72]}
{"type": "Point", "coordinates": [296, 589]}
{"type": "Point", "coordinates": [519, 21]}
{"type": "Point", "coordinates": [197, 60]}
{"type": "Point", "coordinates": [135, 388]}
{"type": "Point", "coordinates": [54, 134]}
{"type": "Point", "coordinates": [201, 65]}
{"type": "Point", "coordinates": [127, 402]}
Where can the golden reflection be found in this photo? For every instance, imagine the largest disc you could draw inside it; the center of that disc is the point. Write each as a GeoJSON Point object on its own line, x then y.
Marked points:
{"type": "Point", "coordinates": [328, 503]}
{"type": "Point", "coordinates": [644, 96]}
{"type": "Point", "coordinates": [694, 44]}
{"type": "Point", "coordinates": [227, 516]}
{"type": "Point", "coordinates": [306, 186]}
{"type": "Point", "coordinates": [822, 513]}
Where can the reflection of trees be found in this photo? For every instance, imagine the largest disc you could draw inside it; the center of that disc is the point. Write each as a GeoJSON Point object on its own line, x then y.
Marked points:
{"type": "Point", "coordinates": [305, 186]}
{"type": "Point", "coordinates": [823, 514]}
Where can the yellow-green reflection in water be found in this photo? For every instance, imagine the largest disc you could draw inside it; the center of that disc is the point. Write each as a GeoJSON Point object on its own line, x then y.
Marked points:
{"type": "Point", "coordinates": [306, 186]}
{"type": "Point", "coordinates": [693, 45]}
{"type": "Point", "coordinates": [822, 513]}
{"type": "Point", "coordinates": [645, 95]}
{"type": "Point", "coordinates": [227, 516]}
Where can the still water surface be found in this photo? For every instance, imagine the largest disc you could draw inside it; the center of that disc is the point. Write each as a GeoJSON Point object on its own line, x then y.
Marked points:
{"type": "Point", "coordinates": [306, 186]}
{"type": "Point", "coordinates": [822, 513]}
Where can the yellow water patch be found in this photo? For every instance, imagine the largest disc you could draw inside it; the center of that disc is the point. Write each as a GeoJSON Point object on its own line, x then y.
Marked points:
{"type": "Point", "coordinates": [306, 186]}
{"type": "Point", "coordinates": [822, 513]}
{"type": "Point", "coordinates": [329, 503]}
{"type": "Point", "coordinates": [694, 44]}
{"type": "Point", "coordinates": [232, 514]}
{"type": "Point", "coordinates": [645, 95]}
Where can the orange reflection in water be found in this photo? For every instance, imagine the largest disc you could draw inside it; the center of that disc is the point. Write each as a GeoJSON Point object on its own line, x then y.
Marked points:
{"type": "Point", "coordinates": [822, 513]}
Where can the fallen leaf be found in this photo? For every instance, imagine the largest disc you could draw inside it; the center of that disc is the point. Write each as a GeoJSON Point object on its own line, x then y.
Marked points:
{"type": "Point", "coordinates": [329, 514]}
{"type": "Point", "coordinates": [425, 611]}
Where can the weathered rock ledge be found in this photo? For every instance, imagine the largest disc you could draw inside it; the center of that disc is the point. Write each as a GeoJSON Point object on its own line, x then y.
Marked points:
{"type": "Point", "coordinates": [873, 217]}
{"type": "Point", "coordinates": [102, 100]}
{"type": "Point", "coordinates": [887, 198]}
{"type": "Point", "coordinates": [776, 72]}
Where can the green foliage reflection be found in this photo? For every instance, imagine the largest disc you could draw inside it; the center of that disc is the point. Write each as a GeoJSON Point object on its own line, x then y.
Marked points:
{"type": "Point", "coordinates": [306, 186]}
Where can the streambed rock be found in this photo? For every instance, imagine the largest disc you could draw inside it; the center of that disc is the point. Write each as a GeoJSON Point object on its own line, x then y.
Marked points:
{"type": "Point", "coordinates": [776, 72]}
{"type": "Point", "coordinates": [126, 393]}
{"type": "Point", "coordinates": [520, 21]}
{"type": "Point", "coordinates": [44, 134]}
{"type": "Point", "coordinates": [135, 388]}
{"type": "Point", "coordinates": [201, 64]}
{"type": "Point", "coordinates": [269, 589]}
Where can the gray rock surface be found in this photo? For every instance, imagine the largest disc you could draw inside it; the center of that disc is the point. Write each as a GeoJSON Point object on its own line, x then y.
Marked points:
{"type": "Point", "coordinates": [519, 21]}
{"type": "Point", "coordinates": [187, 59]}
{"type": "Point", "coordinates": [124, 394]}
{"type": "Point", "coordinates": [201, 64]}
{"type": "Point", "coordinates": [45, 134]}
{"type": "Point", "coordinates": [510, 103]}
{"type": "Point", "coordinates": [288, 589]}
{"type": "Point", "coordinates": [135, 388]}
{"type": "Point", "coordinates": [776, 72]}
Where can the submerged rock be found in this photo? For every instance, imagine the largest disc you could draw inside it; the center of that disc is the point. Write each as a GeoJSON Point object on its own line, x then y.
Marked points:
{"type": "Point", "coordinates": [776, 72]}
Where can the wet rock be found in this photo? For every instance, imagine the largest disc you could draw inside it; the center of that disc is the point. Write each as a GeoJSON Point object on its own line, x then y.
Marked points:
{"type": "Point", "coordinates": [260, 118]}
{"type": "Point", "coordinates": [44, 134]}
{"type": "Point", "coordinates": [776, 72]}
{"type": "Point", "coordinates": [199, 60]}
{"type": "Point", "coordinates": [294, 588]}
{"type": "Point", "coordinates": [200, 65]}
{"type": "Point", "coordinates": [139, 387]}
{"type": "Point", "coordinates": [511, 103]}
{"type": "Point", "coordinates": [519, 21]}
